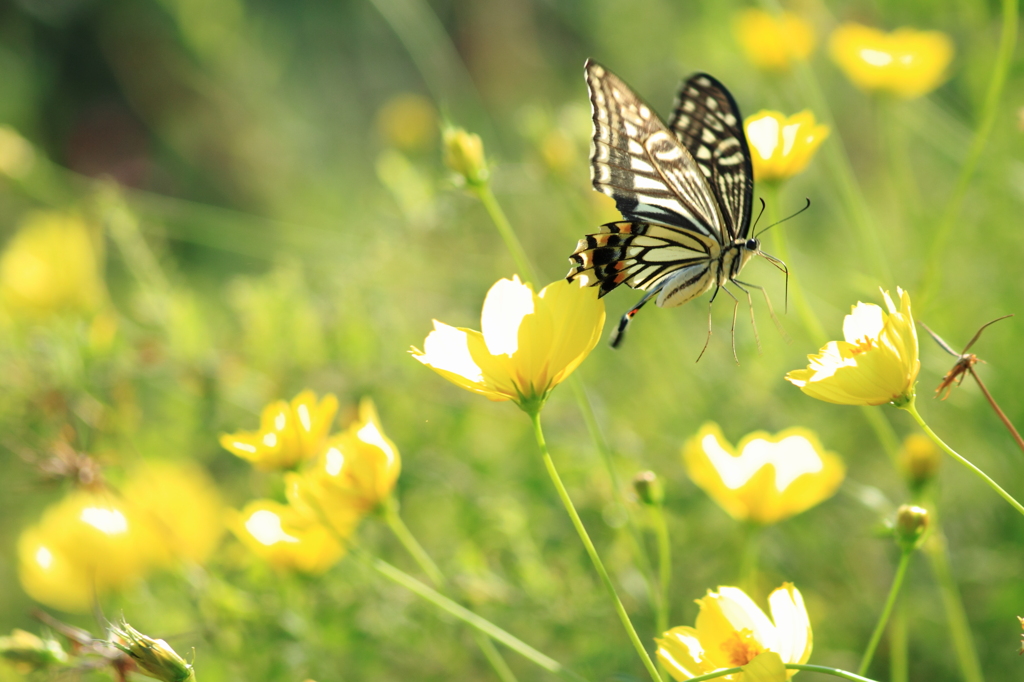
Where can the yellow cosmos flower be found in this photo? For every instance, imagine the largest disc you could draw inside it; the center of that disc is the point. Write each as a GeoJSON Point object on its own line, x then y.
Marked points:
{"type": "Point", "coordinates": [781, 147]}
{"type": "Point", "coordinates": [87, 544]}
{"type": "Point", "coordinates": [408, 121]}
{"type": "Point", "coordinates": [182, 505]}
{"type": "Point", "coordinates": [355, 473]}
{"type": "Point", "coordinates": [289, 432]}
{"type": "Point", "coordinates": [732, 631]}
{"type": "Point", "coordinates": [51, 266]}
{"type": "Point", "coordinates": [765, 479]}
{"type": "Point", "coordinates": [876, 364]}
{"type": "Point", "coordinates": [286, 538]}
{"type": "Point", "coordinates": [774, 43]}
{"type": "Point", "coordinates": [907, 62]}
{"type": "Point", "coordinates": [529, 342]}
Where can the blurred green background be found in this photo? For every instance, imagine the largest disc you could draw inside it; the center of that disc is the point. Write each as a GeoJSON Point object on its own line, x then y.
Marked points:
{"type": "Point", "coordinates": [281, 162]}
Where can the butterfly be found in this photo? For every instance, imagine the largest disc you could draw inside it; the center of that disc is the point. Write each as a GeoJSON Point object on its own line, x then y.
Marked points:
{"type": "Point", "coordinates": [685, 192]}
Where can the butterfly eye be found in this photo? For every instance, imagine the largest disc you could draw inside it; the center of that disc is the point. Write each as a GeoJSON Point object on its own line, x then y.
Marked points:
{"type": "Point", "coordinates": [753, 245]}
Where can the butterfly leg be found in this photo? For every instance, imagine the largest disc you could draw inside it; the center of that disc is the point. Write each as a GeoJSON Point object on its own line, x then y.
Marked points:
{"type": "Point", "coordinates": [708, 339]}
{"type": "Point", "coordinates": [620, 331]}
{"type": "Point", "coordinates": [750, 305]}
{"type": "Point", "coordinates": [771, 309]}
{"type": "Point", "coordinates": [735, 309]}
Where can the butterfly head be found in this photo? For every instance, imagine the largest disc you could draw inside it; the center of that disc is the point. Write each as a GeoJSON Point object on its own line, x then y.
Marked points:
{"type": "Point", "coordinates": [753, 244]}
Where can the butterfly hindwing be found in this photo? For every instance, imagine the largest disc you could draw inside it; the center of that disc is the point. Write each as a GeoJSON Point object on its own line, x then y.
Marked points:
{"type": "Point", "coordinates": [640, 164]}
{"type": "Point", "coordinates": [640, 255]}
{"type": "Point", "coordinates": [708, 123]}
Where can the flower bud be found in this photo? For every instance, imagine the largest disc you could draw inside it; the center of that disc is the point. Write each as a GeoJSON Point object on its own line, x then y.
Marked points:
{"type": "Point", "coordinates": [919, 460]}
{"type": "Point", "coordinates": [911, 524]}
{"type": "Point", "coordinates": [648, 488]}
{"type": "Point", "coordinates": [464, 154]}
{"type": "Point", "coordinates": [155, 657]}
{"type": "Point", "coordinates": [29, 653]}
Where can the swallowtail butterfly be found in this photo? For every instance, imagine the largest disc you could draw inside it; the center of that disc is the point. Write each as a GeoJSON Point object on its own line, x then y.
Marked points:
{"type": "Point", "coordinates": [685, 193]}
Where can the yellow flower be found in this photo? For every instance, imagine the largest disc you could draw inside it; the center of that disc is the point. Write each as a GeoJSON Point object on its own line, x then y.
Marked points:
{"type": "Point", "coordinates": [286, 538]}
{"type": "Point", "coordinates": [907, 62]}
{"type": "Point", "coordinates": [781, 147]}
{"type": "Point", "coordinates": [51, 266]}
{"type": "Point", "coordinates": [87, 544]}
{"type": "Point", "coordinates": [355, 473]}
{"type": "Point", "coordinates": [876, 364]}
{"type": "Point", "coordinates": [182, 505]}
{"type": "Point", "coordinates": [774, 43]}
{"type": "Point", "coordinates": [732, 631]}
{"type": "Point", "coordinates": [529, 342]}
{"type": "Point", "coordinates": [766, 478]}
{"type": "Point", "coordinates": [289, 433]}
{"type": "Point", "coordinates": [408, 122]}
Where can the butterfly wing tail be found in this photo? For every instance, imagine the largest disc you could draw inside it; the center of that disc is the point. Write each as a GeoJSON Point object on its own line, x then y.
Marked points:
{"type": "Point", "coordinates": [620, 331]}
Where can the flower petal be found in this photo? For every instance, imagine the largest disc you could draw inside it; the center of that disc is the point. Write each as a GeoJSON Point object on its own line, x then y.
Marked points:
{"type": "Point", "coordinates": [791, 623]}
{"type": "Point", "coordinates": [680, 651]}
{"type": "Point", "coordinates": [508, 301]}
{"type": "Point", "coordinates": [446, 351]}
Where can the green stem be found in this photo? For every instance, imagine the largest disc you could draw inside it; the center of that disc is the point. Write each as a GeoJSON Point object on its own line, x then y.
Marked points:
{"type": "Point", "coordinates": [591, 550]}
{"type": "Point", "coordinates": [749, 556]}
{"type": "Point", "coordinates": [427, 565]}
{"type": "Point", "coordinates": [898, 662]}
{"type": "Point", "coordinates": [825, 670]}
{"type": "Point", "coordinates": [890, 602]}
{"type": "Point", "coordinates": [912, 409]}
{"type": "Point", "coordinates": [664, 568]}
{"type": "Point", "coordinates": [482, 624]}
{"type": "Point", "coordinates": [415, 550]}
{"type": "Point", "coordinates": [990, 108]}
{"type": "Point", "coordinates": [956, 617]}
{"type": "Point", "coordinates": [486, 196]}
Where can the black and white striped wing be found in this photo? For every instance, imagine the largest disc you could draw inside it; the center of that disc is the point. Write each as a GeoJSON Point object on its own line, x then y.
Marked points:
{"type": "Point", "coordinates": [708, 123]}
{"type": "Point", "coordinates": [640, 164]}
{"type": "Point", "coordinates": [639, 255]}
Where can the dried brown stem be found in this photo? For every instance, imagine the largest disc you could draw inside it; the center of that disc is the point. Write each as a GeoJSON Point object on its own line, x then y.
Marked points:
{"type": "Point", "coordinates": [995, 406]}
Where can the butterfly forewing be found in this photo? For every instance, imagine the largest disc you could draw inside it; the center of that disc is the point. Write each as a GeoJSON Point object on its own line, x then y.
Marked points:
{"type": "Point", "coordinates": [707, 121]}
{"type": "Point", "coordinates": [640, 164]}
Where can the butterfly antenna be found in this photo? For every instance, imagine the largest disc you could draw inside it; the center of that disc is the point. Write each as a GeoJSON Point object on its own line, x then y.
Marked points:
{"type": "Point", "coordinates": [779, 222]}
{"type": "Point", "coordinates": [620, 331]}
{"type": "Point", "coordinates": [760, 213]}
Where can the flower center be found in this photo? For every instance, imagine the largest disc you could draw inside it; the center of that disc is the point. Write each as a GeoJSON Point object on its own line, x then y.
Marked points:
{"type": "Point", "coordinates": [863, 345]}
{"type": "Point", "coordinates": [741, 647]}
